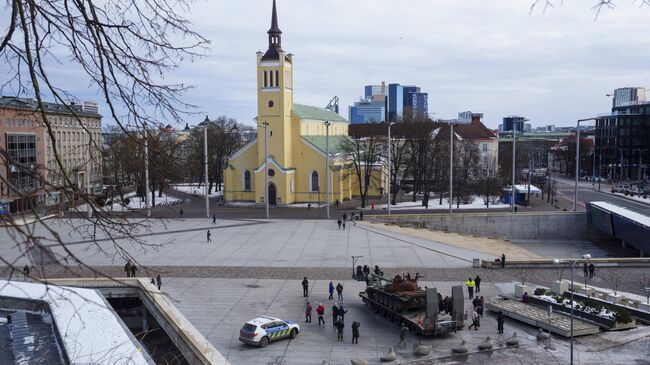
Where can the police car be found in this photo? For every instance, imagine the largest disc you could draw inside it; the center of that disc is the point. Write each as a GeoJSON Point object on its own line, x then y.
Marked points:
{"type": "Point", "coordinates": [262, 330]}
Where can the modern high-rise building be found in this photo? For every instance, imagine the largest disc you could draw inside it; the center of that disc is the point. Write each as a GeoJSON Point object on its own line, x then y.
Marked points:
{"type": "Point", "coordinates": [391, 101]}
{"type": "Point", "coordinates": [367, 111]}
{"type": "Point", "coordinates": [628, 96]}
{"type": "Point", "coordinates": [512, 121]}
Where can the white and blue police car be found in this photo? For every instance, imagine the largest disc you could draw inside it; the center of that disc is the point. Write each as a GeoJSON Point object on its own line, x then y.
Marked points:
{"type": "Point", "coordinates": [263, 330]}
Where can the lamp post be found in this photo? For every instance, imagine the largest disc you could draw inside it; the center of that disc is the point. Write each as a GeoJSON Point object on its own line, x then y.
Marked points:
{"type": "Point", "coordinates": [575, 192]}
{"type": "Point", "coordinates": [327, 167]}
{"type": "Point", "coordinates": [87, 172]}
{"type": "Point", "coordinates": [265, 125]}
{"type": "Point", "coordinates": [451, 167]}
{"type": "Point", "coordinates": [389, 163]}
{"type": "Point", "coordinates": [205, 163]}
{"type": "Point", "coordinates": [514, 158]}
{"type": "Point", "coordinates": [585, 257]}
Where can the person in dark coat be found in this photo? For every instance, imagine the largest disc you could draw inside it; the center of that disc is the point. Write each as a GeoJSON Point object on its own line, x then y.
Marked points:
{"type": "Point", "coordinates": [343, 224]}
{"type": "Point", "coordinates": [477, 281]}
{"type": "Point", "coordinates": [133, 270]}
{"type": "Point", "coordinates": [503, 260]}
{"type": "Point", "coordinates": [345, 217]}
{"type": "Point", "coordinates": [181, 211]}
{"type": "Point", "coordinates": [308, 313]}
{"type": "Point", "coordinates": [585, 269]}
{"type": "Point", "coordinates": [26, 271]}
{"type": "Point", "coordinates": [127, 269]}
{"type": "Point", "coordinates": [500, 319]}
{"type": "Point", "coordinates": [214, 218]}
{"type": "Point", "coordinates": [342, 312]}
{"type": "Point", "coordinates": [339, 291]}
{"type": "Point", "coordinates": [592, 268]}
{"type": "Point", "coordinates": [355, 331]}
{"type": "Point", "coordinates": [339, 222]}
{"type": "Point", "coordinates": [158, 281]}
{"type": "Point", "coordinates": [209, 235]}
{"type": "Point", "coordinates": [335, 313]}
{"type": "Point", "coordinates": [305, 287]}
{"type": "Point", "coordinates": [339, 329]}
{"type": "Point", "coordinates": [331, 289]}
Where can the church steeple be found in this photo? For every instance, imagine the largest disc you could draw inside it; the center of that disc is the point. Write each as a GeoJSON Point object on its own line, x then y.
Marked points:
{"type": "Point", "coordinates": [275, 38]}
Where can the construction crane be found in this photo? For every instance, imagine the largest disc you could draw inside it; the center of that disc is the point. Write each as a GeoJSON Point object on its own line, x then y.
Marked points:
{"type": "Point", "coordinates": [333, 105]}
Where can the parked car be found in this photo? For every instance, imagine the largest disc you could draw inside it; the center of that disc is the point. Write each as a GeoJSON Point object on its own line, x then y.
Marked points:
{"type": "Point", "coordinates": [263, 330]}
{"type": "Point", "coordinates": [625, 189]}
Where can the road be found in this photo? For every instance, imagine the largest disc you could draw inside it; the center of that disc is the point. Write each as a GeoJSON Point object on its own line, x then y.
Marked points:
{"type": "Point", "coordinates": [588, 193]}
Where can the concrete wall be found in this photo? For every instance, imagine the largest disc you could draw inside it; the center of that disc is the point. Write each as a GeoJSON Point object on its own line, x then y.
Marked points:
{"type": "Point", "coordinates": [534, 225]}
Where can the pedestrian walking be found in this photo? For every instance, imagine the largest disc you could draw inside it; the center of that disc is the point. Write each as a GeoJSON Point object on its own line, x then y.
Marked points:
{"type": "Point", "coordinates": [345, 217]}
{"type": "Point", "coordinates": [158, 281]}
{"type": "Point", "coordinates": [305, 287]}
{"type": "Point", "coordinates": [181, 212]}
{"type": "Point", "coordinates": [592, 268]}
{"type": "Point", "coordinates": [331, 289]}
{"type": "Point", "coordinates": [209, 235]}
{"type": "Point", "coordinates": [355, 331]}
{"type": "Point", "coordinates": [503, 260]}
{"type": "Point", "coordinates": [26, 271]}
{"type": "Point", "coordinates": [500, 319]}
{"type": "Point", "coordinates": [127, 269]}
{"type": "Point", "coordinates": [214, 218]}
{"type": "Point", "coordinates": [134, 269]}
{"type": "Point", "coordinates": [335, 313]}
{"type": "Point", "coordinates": [308, 206]}
{"type": "Point", "coordinates": [308, 313]}
{"type": "Point", "coordinates": [403, 331]}
{"type": "Point", "coordinates": [339, 222]}
{"type": "Point", "coordinates": [470, 287]}
{"type": "Point", "coordinates": [343, 224]}
{"type": "Point", "coordinates": [320, 310]}
{"type": "Point", "coordinates": [339, 329]}
{"type": "Point", "coordinates": [585, 269]}
{"type": "Point", "coordinates": [477, 282]}
{"type": "Point", "coordinates": [339, 291]}
{"type": "Point", "coordinates": [481, 306]}
{"type": "Point", "coordinates": [476, 321]}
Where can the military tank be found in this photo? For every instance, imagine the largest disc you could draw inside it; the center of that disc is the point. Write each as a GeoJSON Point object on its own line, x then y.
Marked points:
{"type": "Point", "coordinates": [402, 300]}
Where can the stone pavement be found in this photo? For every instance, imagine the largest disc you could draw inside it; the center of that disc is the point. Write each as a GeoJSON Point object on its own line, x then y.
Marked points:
{"type": "Point", "coordinates": [219, 307]}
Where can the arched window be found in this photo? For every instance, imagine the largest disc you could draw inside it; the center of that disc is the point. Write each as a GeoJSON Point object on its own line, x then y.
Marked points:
{"type": "Point", "coordinates": [265, 81]}
{"type": "Point", "coordinates": [247, 180]}
{"type": "Point", "coordinates": [314, 181]}
{"type": "Point", "coordinates": [277, 78]}
{"type": "Point", "coordinates": [271, 78]}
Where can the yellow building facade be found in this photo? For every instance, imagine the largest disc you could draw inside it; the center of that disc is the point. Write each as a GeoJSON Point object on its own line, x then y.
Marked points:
{"type": "Point", "coordinates": [296, 142]}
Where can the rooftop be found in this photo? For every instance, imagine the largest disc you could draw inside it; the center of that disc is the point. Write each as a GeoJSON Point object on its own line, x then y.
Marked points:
{"type": "Point", "coordinates": [315, 113]}
{"type": "Point", "coordinates": [335, 143]}
{"type": "Point", "coordinates": [13, 102]}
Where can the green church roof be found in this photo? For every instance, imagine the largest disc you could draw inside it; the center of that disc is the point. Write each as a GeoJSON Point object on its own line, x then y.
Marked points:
{"type": "Point", "coordinates": [336, 143]}
{"type": "Point", "coordinates": [315, 113]}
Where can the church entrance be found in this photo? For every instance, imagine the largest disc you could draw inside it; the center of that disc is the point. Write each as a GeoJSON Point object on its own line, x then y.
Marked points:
{"type": "Point", "coordinates": [272, 194]}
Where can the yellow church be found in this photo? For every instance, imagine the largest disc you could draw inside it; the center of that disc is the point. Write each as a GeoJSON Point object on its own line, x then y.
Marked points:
{"type": "Point", "coordinates": [296, 142]}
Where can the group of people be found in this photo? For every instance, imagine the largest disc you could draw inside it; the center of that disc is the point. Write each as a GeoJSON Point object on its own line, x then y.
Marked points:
{"type": "Point", "coordinates": [353, 216]}
{"type": "Point", "coordinates": [130, 269]}
{"type": "Point", "coordinates": [338, 311]}
{"type": "Point", "coordinates": [473, 284]}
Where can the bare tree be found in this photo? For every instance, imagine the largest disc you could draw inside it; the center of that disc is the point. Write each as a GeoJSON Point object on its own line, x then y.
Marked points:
{"type": "Point", "coordinates": [488, 182]}
{"type": "Point", "coordinates": [469, 157]}
{"type": "Point", "coordinates": [365, 155]}
{"type": "Point", "coordinates": [597, 7]}
{"type": "Point", "coordinates": [123, 50]}
{"type": "Point", "coordinates": [613, 278]}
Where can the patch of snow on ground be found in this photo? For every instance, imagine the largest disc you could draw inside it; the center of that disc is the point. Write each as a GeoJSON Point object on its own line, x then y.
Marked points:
{"type": "Point", "coordinates": [91, 332]}
{"type": "Point", "coordinates": [194, 189]}
{"type": "Point", "coordinates": [477, 203]}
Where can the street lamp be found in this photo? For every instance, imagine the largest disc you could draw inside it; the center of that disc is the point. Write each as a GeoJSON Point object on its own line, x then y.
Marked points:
{"type": "Point", "coordinates": [147, 198]}
{"type": "Point", "coordinates": [389, 163]}
{"type": "Point", "coordinates": [327, 166]}
{"type": "Point", "coordinates": [265, 125]}
{"type": "Point", "coordinates": [573, 262]}
{"type": "Point", "coordinates": [575, 193]}
{"type": "Point", "coordinates": [514, 158]}
{"type": "Point", "coordinates": [205, 163]}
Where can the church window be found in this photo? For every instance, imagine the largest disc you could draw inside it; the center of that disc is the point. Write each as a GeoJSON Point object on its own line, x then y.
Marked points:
{"type": "Point", "coordinates": [271, 172]}
{"type": "Point", "coordinates": [247, 180]}
{"type": "Point", "coordinates": [270, 103]}
{"type": "Point", "coordinates": [314, 181]}
{"type": "Point", "coordinates": [265, 81]}
{"type": "Point", "coordinates": [277, 79]}
{"type": "Point", "coordinates": [271, 78]}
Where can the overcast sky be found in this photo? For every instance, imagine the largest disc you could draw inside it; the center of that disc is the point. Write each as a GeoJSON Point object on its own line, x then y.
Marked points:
{"type": "Point", "coordinates": [492, 56]}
